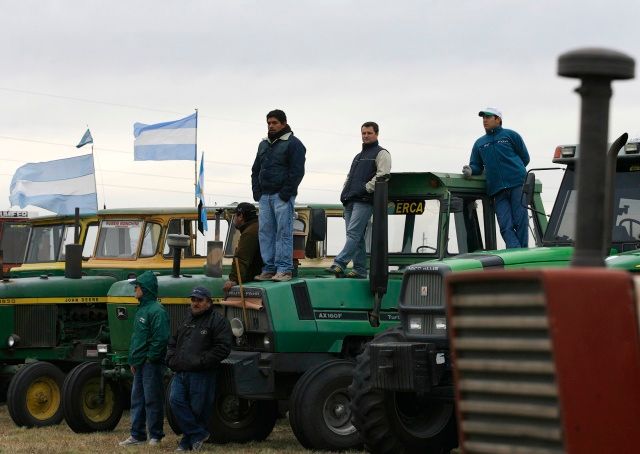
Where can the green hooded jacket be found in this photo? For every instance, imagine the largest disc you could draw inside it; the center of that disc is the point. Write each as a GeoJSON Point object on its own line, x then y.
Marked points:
{"type": "Point", "coordinates": [151, 326]}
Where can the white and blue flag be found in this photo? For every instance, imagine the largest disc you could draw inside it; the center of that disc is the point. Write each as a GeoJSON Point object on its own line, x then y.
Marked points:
{"type": "Point", "coordinates": [59, 186]}
{"type": "Point", "coordinates": [86, 138]}
{"type": "Point", "coordinates": [202, 213]}
{"type": "Point", "coordinates": [172, 140]}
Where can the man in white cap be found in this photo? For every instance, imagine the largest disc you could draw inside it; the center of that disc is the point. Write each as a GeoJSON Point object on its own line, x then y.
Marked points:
{"type": "Point", "coordinates": [503, 156]}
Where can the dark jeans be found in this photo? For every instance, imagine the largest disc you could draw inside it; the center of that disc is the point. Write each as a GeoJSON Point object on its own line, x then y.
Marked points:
{"type": "Point", "coordinates": [512, 217]}
{"type": "Point", "coordinates": [147, 402]}
{"type": "Point", "coordinates": [191, 399]}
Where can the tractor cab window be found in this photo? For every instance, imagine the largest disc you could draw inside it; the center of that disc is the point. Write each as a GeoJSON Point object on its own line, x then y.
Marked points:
{"type": "Point", "coordinates": [119, 239]}
{"type": "Point", "coordinates": [413, 226]}
{"type": "Point", "coordinates": [469, 220]}
{"type": "Point", "coordinates": [90, 239]}
{"type": "Point", "coordinates": [44, 243]}
{"type": "Point", "coordinates": [150, 239]}
{"type": "Point", "coordinates": [336, 236]}
{"type": "Point", "coordinates": [68, 238]}
{"type": "Point", "coordinates": [190, 227]}
{"type": "Point", "coordinates": [14, 241]}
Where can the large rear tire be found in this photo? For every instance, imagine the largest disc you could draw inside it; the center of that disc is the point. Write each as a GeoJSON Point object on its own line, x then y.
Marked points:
{"type": "Point", "coordinates": [391, 422]}
{"type": "Point", "coordinates": [240, 420]}
{"type": "Point", "coordinates": [319, 408]}
{"type": "Point", "coordinates": [84, 411]}
{"type": "Point", "coordinates": [34, 395]}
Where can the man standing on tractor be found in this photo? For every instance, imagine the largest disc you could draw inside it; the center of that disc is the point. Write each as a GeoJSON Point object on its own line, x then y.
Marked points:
{"type": "Point", "coordinates": [275, 176]}
{"type": "Point", "coordinates": [147, 350]}
{"type": "Point", "coordinates": [202, 341]}
{"type": "Point", "coordinates": [246, 257]}
{"type": "Point", "coordinates": [357, 197]}
{"type": "Point", "coordinates": [503, 156]}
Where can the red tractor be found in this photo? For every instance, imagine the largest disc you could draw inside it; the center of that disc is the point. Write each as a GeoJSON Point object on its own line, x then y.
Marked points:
{"type": "Point", "coordinates": [548, 361]}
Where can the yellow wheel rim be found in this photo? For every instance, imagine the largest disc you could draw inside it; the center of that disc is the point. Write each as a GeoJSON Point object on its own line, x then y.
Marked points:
{"type": "Point", "coordinates": [92, 409]}
{"type": "Point", "coordinates": [43, 398]}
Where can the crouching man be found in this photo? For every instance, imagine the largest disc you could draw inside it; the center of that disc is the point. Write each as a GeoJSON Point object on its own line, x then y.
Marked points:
{"type": "Point", "coordinates": [194, 353]}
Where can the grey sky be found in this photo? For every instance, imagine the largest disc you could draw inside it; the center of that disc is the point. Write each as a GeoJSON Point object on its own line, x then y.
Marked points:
{"type": "Point", "coordinates": [421, 69]}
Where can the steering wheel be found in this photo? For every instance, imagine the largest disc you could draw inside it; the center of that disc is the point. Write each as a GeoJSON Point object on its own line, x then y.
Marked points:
{"type": "Point", "coordinates": [631, 221]}
{"type": "Point", "coordinates": [429, 247]}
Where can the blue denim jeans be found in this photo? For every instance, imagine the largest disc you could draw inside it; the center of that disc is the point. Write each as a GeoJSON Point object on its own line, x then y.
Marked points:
{"type": "Point", "coordinates": [512, 217]}
{"type": "Point", "coordinates": [356, 218]}
{"type": "Point", "coordinates": [191, 398]}
{"type": "Point", "coordinates": [276, 233]}
{"type": "Point", "coordinates": [147, 402]}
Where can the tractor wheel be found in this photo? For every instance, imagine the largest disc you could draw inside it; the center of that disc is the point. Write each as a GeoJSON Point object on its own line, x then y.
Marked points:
{"type": "Point", "coordinates": [34, 395]}
{"type": "Point", "coordinates": [238, 420]}
{"type": "Point", "coordinates": [319, 408]}
{"type": "Point", "coordinates": [84, 410]}
{"type": "Point", "coordinates": [171, 418]}
{"type": "Point", "coordinates": [391, 422]}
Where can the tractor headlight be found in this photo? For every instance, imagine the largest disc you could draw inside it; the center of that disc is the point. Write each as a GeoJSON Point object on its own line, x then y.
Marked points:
{"type": "Point", "coordinates": [237, 328]}
{"type": "Point", "coordinates": [267, 342]}
{"type": "Point", "coordinates": [439, 324]}
{"type": "Point", "coordinates": [103, 348]}
{"type": "Point", "coordinates": [13, 340]}
{"type": "Point", "coordinates": [415, 323]}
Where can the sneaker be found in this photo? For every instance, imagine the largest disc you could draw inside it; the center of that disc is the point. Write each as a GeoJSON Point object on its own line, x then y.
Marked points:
{"type": "Point", "coordinates": [335, 269]}
{"type": "Point", "coordinates": [264, 276]}
{"type": "Point", "coordinates": [197, 445]}
{"type": "Point", "coordinates": [282, 277]}
{"type": "Point", "coordinates": [353, 275]}
{"type": "Point", "coordinates": [181, 449]}
{"type": "Point", "coordinates": [154, 442]}
{"type": "Point", "coordinates": [131, 442]}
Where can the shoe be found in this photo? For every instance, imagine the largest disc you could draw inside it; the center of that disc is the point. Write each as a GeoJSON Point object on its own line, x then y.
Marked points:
{"type": "Point", "coordinates": [335, 269]}
{"type": "Point", "coordinates": [154, 442]}
{"type": "Point", "coordinates": [197, 445]}
{"type": "Point", "coordinates": [353, 275]}
{"type": "Point", "coordinates": [264, 276]}
{"type": "Point", "coordinates": [131, 442]}
{"type": "Point", "coordinates": [181, 449]}
{"type": "Point", "coordinates": [282, 277]}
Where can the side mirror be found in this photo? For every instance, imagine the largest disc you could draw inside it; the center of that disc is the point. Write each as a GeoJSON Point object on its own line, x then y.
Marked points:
{"type": "Point", "coordinates": [528, 188]}
{"type": "Point", "coordinates": [317, 225]}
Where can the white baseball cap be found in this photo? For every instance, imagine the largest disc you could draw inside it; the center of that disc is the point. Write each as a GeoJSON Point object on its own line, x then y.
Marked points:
{"type": "Point", "coordinates": [489, 111]}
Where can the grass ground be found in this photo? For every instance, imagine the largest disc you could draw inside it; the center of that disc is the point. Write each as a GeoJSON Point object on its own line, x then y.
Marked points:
{"type": "Point", "coordinates": [60, 439]}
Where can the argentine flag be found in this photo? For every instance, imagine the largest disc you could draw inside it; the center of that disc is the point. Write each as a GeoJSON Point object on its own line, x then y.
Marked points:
{"type": "Point", "coordinates": [59, 186]}
{"type": "Point", "coordinates": [172, 140]}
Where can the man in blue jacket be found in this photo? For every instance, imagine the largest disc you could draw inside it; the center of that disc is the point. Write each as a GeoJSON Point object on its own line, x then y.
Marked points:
{"type": "Point", "coordinates": [503, 156]}
{"type": "Point", "coordinates": [275, 176]}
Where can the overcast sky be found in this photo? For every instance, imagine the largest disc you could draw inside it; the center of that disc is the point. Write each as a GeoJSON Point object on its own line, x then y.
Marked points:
{"type": "Point", "coordinates": [421, 69]}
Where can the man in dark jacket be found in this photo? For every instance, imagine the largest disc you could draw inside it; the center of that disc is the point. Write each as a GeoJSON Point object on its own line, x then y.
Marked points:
{"type": "Point", "coordinates": [503, 156]}
{"type": "Point", "coordinates": [275, 176]}
{"type": "Point", "coordinates": [147, 350]}
{"type": "Point", "coordinates": [202, 341]}
{"type": "Point", "coordinates": [357, 197]}
{"type": "Point", "coordinates": [247, 252]}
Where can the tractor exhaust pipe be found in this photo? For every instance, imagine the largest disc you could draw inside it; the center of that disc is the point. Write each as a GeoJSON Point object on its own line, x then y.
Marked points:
{"type": "Point", "coordinates": [596, 68]}
{"type": "Point", "coordinates": [73, 252]}
{"type": "Point", "coordinates": [178, 243]}
{"type": "Point", "coordinates": [379, 274]}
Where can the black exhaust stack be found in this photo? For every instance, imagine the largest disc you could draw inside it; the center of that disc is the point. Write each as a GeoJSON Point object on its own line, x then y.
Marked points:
{"type": "Point", "coordinates": [178, 243]}
{"type": "Point", "coordinates": [596, 68]}
{"type": "Point", "coordinates": [73, 252]}
{"type": "Point", "coordinates": [379, 273]}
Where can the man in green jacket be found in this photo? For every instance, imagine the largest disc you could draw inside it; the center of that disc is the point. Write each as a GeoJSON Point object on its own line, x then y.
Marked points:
{"type": "Point", "coordinates": [147, 351]}
{"type": "Point", "coordinates": [247, 253]}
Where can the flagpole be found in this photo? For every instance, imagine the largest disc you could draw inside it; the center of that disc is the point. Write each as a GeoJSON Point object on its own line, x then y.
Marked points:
{"type": "Point", "coordinates": [95, 180]}
{"type": "Point", "coordinates": [195, 164]}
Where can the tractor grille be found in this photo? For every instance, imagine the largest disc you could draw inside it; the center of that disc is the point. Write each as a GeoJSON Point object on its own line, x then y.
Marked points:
{"type": "Point", "coordinates": [506, 375]}
{"type": "Point", "coordinates": [424, 289]}
{"type": "Point", "coordinates": [177, 313]}
{"type": "Point", "coordinates": [36, 325]}
{"type": "Point", "coordinates": [256, 319]}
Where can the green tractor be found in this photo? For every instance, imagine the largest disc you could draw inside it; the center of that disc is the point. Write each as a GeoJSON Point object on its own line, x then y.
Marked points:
{"type": "Point", "coordinates": [50, 322]}
{"type": "Point", "coordinates": [402, 391]}
{"type": "Point", "coordinates": [296, 342]}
